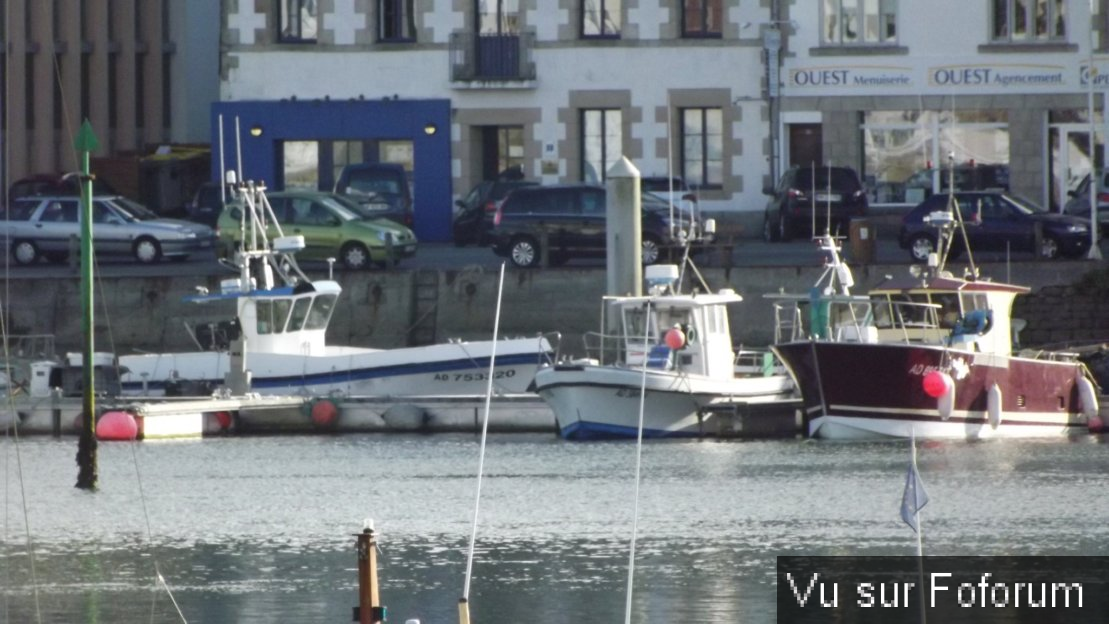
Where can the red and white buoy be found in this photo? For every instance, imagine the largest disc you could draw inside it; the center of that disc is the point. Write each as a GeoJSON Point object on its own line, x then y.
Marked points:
{"type": "Point", "coordinates": [940, 386]}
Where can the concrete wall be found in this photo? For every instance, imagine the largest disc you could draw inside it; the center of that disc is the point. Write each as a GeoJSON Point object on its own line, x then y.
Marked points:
{"type": "Point", "coordinates": [378, 308]}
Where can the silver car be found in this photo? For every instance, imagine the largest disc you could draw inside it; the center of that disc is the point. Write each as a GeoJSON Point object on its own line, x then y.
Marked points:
{"type": "Point", "coordinates": [49, 227]}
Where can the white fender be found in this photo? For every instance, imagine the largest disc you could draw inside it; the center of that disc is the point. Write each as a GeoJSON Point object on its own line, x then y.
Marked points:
{"type": "Point", "coordinates": [993, 405]}
{"type": "Point", "coordinates": [1087, 397]}
{"type": "Point", "coordinates": [946, 401]}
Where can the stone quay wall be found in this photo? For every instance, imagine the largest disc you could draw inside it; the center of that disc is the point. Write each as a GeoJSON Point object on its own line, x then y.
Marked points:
{"type": "Point", "coordinates": [378, 309]}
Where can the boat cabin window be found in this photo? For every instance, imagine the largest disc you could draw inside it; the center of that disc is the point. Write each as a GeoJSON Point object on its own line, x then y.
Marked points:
{"type": "Point", "coordinates": [948, 311]}
{"type": "Point", "coordinates": [272, 314]}
{"type": "Point", "coordinates": [900, 311]}
{"type": "Point", "coordinates": [300, 312]}
{"type": "Point", "coordinates": [683, 317]}
{"type": "Point", "coordinates": [974, 301]}
{"type": "Point", "coordinates": [320, 313]}
{"type": "Point", "coordinates": [634, 325]}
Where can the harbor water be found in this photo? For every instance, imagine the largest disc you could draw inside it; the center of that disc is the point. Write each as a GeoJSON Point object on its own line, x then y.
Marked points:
{"type": "Point", "coordinates": [261, 529]}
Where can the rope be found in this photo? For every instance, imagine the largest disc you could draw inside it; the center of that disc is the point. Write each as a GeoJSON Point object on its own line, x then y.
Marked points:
{"type": "Point", "coordinates": [484, 436]}
{"type": "Point", "coordinates": [638, 466]}
{"type": "Point", "coordinates": [159, 579]}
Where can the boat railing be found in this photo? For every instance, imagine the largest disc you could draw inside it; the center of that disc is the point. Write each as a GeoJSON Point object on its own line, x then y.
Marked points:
{"type": "Point", "coordinates": [605, 348]}
{"type": "Point", "coordinates": [788, 323]}
{"type": "Point", "coordinates": [554, 339]}
{"type": "Point", "coordinates": [911, 321]}
{"type": "Point", "coordinates": [31, 346]}
{"type": "Point", "coordinates": [1049, 355]}
{"type": "Point", "coordinates": [756, 362]}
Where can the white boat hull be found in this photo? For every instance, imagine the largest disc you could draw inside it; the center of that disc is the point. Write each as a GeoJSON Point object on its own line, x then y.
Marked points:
{"type": "Point", "coordinates": [593, 401]}
{"type": "Point", "coordinates": [457, 368]}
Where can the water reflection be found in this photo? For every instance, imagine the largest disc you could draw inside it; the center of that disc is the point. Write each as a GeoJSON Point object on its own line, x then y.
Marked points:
{"type": "Point", "coordinates": [260, 530]}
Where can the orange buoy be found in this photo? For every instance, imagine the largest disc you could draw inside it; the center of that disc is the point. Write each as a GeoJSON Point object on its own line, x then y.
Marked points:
{"type": "Point", "coordinates": [324, 413]}
{"type": "Point", "coordinates": [936, 384]}
{"type": "Point", "coordinates": [117, 426]}
{"type": "Point", "coordinates": [675, 339]}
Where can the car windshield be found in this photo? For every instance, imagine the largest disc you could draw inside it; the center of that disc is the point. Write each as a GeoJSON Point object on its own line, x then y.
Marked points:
{"type": "Point", "coordinates": [375, 183]}
{"type": "Point", "coordinates": [662, 185]}
{"type": "Point", "coordinates": [1024, 205]}
{"type": "Point", "coordinates": [344, 208]}
{"type": "Point", "coordinates": [843, 180]}
{"type": "Point", "coordinates": [133, 211]}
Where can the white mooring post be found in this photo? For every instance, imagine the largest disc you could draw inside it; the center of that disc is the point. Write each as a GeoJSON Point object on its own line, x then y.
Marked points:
{"type": "Point", "coordinates": [623, 230]}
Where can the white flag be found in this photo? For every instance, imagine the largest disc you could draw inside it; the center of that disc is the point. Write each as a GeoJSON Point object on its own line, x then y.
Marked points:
{"type": "Point", "coordinates": [914, 498]}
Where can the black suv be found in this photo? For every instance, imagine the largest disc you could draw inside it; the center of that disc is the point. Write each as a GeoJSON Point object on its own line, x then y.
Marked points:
{"type": "Point", "coordinates": [571, 219]}
{"type": "Point", "coordinates": [380, 187]}
{"type": "Point", "coordinates": [474, 218]}
{"type": "Point", "coordinates": [803, 191]}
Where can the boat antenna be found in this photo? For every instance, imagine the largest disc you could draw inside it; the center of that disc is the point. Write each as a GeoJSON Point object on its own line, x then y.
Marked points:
{"type": "Point", "coordinates": [670, 161]}
{"type": "Point", "coordinates": [222, 184]}
{"type": "Point", "coordinates": [828, 217]}
{"type": "Point", "coordinates": [812, 195]}
{"type": "Point", "coordinates": [464, 602]}
{"type": "Point", "coordinates": [953, 207]}
{"type": "Point", "coordinates": [239, 148]}
{"type": "Point", "coordinates": [638, 468]}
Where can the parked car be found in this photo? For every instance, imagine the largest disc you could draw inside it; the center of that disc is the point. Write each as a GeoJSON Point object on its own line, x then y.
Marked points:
{"type": "Point", "coordinates": [571, 220]}
{"type": "Point", "coordinates": [803, 191]}
{"type": "Point", "coordinates": [46, 226]}
{"type": "Point", "coordinates": [381, 187]}
{"type": "Point", "coordinates": [669, 188]}
{"type": "Point", "coordinates": [1079, 203]}
{"type": "Point", "coordinates": [332, 225]}
{"type": "Point", "coordinates": [207, 203]}
{"type": "Point", "coordinates": [996, 221]}
{"type": "Point", "coordinates": [967, 177]}
{"type": "Point", "coordinates": [474, 219]}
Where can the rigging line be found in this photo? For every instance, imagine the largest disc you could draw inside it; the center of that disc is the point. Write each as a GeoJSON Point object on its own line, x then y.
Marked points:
{"type": "Point", "coordinates": [484, 437]}
{"type": "Point", "coordinates": [159, 579]}
{"type": "Point", "coordinates": [638, 466]}
{"type": "Point", "coordinates": [19, 473]}
{"type": "Point", "coordinates": [66, 119]}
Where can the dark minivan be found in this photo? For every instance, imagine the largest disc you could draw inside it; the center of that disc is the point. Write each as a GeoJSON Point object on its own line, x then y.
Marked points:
{"type": "Point", "coordinates": [806, 196]}
{"type": "Point", "coordinates": [381, 187]}
{"type": "Point", "coordinates": [571, 219]}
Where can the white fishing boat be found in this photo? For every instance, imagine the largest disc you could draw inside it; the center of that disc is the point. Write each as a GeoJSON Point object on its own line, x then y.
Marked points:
{"type": "Point", "coordinates": [674, 348]}
{"type": "Point", "coordinates": [930, 354]}
{"type": "Point", "coordinates": [276, 341]}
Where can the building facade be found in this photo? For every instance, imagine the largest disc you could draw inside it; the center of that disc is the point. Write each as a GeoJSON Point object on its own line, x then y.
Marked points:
{"type": "Point", "coordinates": [560, 88]}
{"type": "Point", "coordinates": [144, 72]}
{"type": "Point", "coordinates": [896, 89]}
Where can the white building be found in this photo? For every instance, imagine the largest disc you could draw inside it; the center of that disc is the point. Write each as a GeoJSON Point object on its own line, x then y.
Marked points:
{"type": "Point", "coordinates": [892, 88]}
{"type": "Point", "coordinates": [562, 88]}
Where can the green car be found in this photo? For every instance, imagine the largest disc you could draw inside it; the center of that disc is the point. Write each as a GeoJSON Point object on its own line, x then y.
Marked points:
{"type": "Point", "coordinates": [332, 226]}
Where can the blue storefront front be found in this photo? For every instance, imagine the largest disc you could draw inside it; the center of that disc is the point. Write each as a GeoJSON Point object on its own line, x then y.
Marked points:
{"type": "Point", "coordinates": [305, 142]}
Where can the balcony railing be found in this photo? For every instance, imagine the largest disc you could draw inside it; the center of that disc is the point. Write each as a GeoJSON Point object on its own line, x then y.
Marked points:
{"type": "Point", "coordinates": [496, 58]}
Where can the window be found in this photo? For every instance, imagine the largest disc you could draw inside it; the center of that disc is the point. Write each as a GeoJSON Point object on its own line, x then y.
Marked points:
{"type": "Point", "coordinates": [396, 20]}
{"type": "Point", "coordinates": [703, 147]}
{"type": "Point", "coordinates": [1028, 20]}
{"type": "Point", "coordinates": [600, 18]}
{"type": "Point", "coordinates": [602, 142]}
{"type": "Point", "coordinates": [852, 22]}
{"type": "Point", "coordinates": [702, 18]}
{"type": "Point", "coordinates": [298, 20]}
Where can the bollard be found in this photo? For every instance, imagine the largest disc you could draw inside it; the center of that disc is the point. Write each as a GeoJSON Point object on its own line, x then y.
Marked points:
{"type": "Point", "coordinates": [369, 609]}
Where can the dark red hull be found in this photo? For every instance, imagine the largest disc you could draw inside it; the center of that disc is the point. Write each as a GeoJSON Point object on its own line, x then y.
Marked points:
{"type": "Point", "coordinates": [867, 390]}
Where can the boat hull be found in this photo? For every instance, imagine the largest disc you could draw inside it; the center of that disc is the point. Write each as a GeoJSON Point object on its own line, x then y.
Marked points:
{"type": "Point", "coordinates": [858, 390]}
{"type": "Point", "coordinates": [598, 402]}
{"type": "Point", "coordinates": [457, 369]}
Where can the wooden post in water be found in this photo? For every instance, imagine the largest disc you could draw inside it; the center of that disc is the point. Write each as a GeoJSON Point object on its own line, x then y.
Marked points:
{"type": "Point", "coordinates": [85, 144]}
{"type": "Point", "coordinates": [369, 609]}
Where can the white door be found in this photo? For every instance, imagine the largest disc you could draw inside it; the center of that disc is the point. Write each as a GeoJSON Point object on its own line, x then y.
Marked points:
{"type": "Point", "coordinates": [1070, 160]}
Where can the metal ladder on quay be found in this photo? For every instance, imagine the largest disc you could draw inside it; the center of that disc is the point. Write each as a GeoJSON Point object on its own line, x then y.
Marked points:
{"type": "Point", "coordinates": [425, 300]}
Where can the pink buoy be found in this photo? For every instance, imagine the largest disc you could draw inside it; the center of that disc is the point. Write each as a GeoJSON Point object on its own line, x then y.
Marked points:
{"type": "Point", "coordinates": [324, 413]}
{"type": "Point", "coordinates": [936, 384]}
{"type": "Point", "coordinates": [117, 426]}
{"type": "Point", "coordinates": [675, 339]}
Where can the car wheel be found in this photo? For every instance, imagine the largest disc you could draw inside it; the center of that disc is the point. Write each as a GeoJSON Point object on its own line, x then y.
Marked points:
{"type": "Point", "coordinates": [920, 245]}
{"type": "Point", "coordinates": [524, 252]}
{"type": "Point", "coordinates": [785, 230]}
{"type": "Point", "coordinates": [147, 250]}
{"type": "Point", "coordinates": [355, 256]}
{"type": "Point", "coordinates": [651, 250]}
{"type": "Point", "coordinates": [25, 252]}
{"type": "Point", "coordinates": [1049, 248]}
{"type": "Point", "coordinates": [769, 232]}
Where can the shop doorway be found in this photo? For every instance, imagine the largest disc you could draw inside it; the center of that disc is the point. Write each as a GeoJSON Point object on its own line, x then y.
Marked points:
{"type": "Point", "coordinates": [806, 144]}
{"type": "Point", "coordinates": [1072, 156]}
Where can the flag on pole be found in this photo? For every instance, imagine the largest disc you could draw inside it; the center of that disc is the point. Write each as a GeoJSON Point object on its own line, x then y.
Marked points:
{"type": "Point", "coordinates": [914, 497]}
